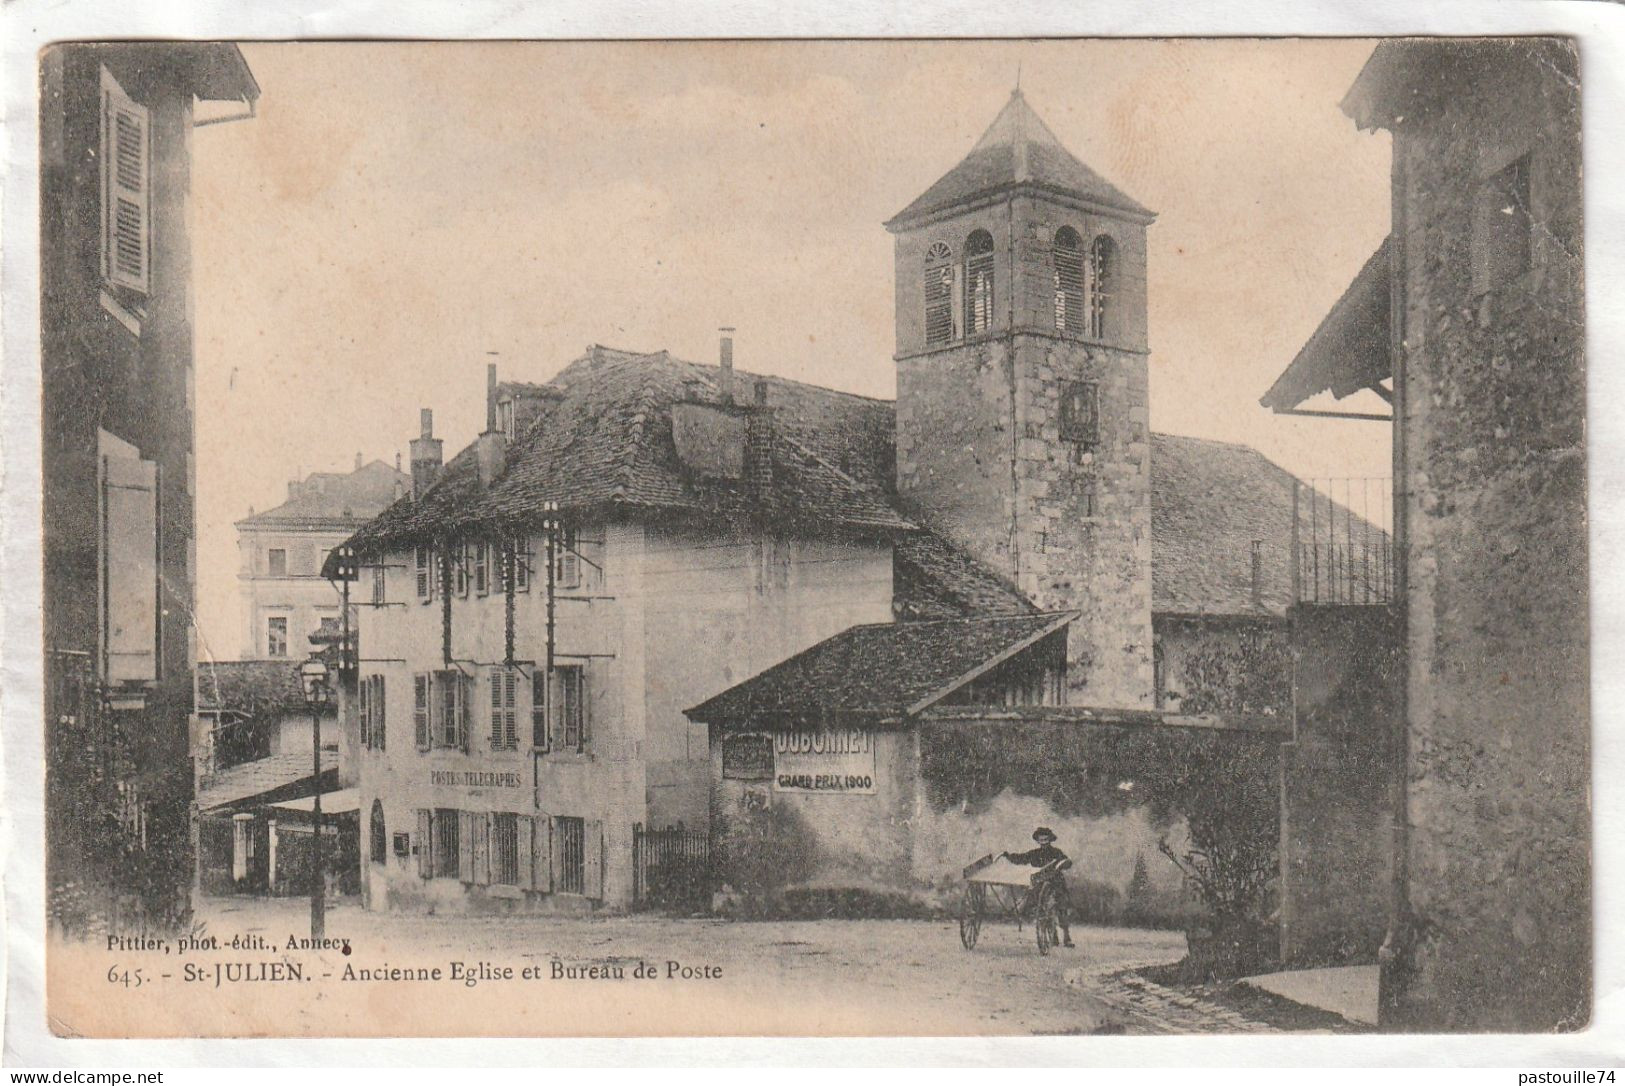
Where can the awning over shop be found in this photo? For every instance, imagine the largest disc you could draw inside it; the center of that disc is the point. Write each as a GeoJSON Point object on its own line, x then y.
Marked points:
{"type": "Point", "coordinates": [339, 801]}
{"type": "Point", "coordinates": [265, 780]}
{"type": "Point", "coordinates": [1349, 351]}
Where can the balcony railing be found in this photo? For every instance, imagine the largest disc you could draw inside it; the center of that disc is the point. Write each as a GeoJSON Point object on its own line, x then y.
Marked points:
{"type": "Point", "coordinates": [1342, 541]}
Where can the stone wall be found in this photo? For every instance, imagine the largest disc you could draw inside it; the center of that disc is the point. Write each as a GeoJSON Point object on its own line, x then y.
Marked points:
{"type": "Point", "coordinates": [1336, 815]}
{"type": "Point", "coordinates": [1498, 875]}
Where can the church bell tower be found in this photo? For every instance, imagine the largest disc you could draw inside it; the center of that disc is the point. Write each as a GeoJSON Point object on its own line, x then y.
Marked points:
{"type": "Point", "coordinates": [1022, 428]}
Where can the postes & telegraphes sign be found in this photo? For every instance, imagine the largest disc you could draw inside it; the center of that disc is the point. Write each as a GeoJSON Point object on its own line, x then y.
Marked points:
{"type": "Point", "coordinates": [824, 760]}
{"type": "Point", "coordinates": [474, 778]}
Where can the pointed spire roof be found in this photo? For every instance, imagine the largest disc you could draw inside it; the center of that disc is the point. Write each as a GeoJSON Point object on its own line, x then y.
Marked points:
{"type": "Point", "coordinates": [1018, 149]}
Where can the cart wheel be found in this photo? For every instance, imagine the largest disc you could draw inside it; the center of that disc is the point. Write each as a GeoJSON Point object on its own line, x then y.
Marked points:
{"type": "Point", "coordinates": [1044, 924]}
{"type": "Point", "coordinates": [970, 916]}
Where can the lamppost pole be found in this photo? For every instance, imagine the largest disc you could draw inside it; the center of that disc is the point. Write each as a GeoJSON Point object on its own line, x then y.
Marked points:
{"type": "Point", "coordinates": [314, 675]}
{"type": "Point", "coordinates": [318, 882]}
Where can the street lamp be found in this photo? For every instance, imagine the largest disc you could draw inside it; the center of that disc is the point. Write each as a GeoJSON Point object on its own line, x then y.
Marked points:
{"type": "Point", "coordinates": [313, 675]}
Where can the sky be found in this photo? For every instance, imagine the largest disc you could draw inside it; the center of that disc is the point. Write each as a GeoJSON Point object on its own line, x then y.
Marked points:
{"type": "Point", "coordinates": [398, 211]}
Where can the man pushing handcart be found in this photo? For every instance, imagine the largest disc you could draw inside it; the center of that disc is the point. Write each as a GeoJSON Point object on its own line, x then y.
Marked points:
{"type": "Point", "coordinates": [1006, 885]}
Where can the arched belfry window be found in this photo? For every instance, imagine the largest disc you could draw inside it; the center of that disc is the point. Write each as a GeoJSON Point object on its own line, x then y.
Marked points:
{"type": "Point", "coordinates": [1068, 281]}
{"type": "Point", "coordinates": [978, 282]}
{"type": "Point", "coordinates": [376, 835]}
{"type": "Point", "coordinates": [939, 293]}
{"type": "Point", "coordinates": [1102, 283]}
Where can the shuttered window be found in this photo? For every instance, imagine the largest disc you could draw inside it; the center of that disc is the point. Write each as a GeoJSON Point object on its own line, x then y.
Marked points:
{"type": "Point", "coordinates": [939, 294]}
{"type": "Point", "coordinates": [126, 182]}
{"type": "Point", "coordinates": [569, 855]}
{"type": "Point", "coordinates": [446, 853]}
{"type": "Point", "coordinates": [566, 559]}
{"type": "Point", "coordinates": [1069, 308]}
{"type": "Point", "coordinates": [539, 735]}
{"type": "Point", "coordinates": [420, 710]}
{"type": "Point", "coordinates": [504, 711]}
{"type": "Point", "coordinates": [570, 706]}
{"type": "Point", "coordinates": [378, 596]}
{"type": "Point", "coordinates": [371, 698]}
{"type": "Point", "coordinates": [128, 547]}
{"type": "Point", "coordinates": [460, 574]}
{"type": "Point", "coordinates": [1101, 283]}
{"type": "Point", "coordinates": [451, 710]}
{"type": "Point", "coordinates": [482, 580]}
{"type": "Point", "coordinates": [520, 556]}
{"type": "Point", "coordinates": [422, 567]}
{"type": "Point", "coordinates": [978, 282]}
{"type": "Point", "coordinates": [504, 845]}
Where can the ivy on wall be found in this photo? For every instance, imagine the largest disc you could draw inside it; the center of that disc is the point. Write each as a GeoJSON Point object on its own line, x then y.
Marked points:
{"type": "Point", "coordinates": [1249, 672]}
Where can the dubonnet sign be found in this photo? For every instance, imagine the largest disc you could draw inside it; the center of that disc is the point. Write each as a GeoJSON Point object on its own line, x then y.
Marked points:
{"type": "Point", "coordinates": [824, 760]}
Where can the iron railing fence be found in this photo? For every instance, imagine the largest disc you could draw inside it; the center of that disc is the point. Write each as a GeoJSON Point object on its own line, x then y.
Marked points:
{"type": "Point", "coordinates": [1342, 541]}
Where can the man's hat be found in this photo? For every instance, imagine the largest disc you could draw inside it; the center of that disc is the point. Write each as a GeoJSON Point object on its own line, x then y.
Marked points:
{"type": "Point", "coordinates": [1043, 833]}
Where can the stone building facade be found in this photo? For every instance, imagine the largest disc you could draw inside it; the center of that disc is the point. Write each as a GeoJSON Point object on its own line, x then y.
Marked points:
{"type": "Point", "coordinates": [1474, 309]}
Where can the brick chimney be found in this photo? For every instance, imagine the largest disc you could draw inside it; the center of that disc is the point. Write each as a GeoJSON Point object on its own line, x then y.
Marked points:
{"type": "Point", "coordinates": [725, 377]}
{"type": "Point", "coordinates": [759, 444]}
{"type": "Point", "coordinates": [491, 448]}
{"type": "Point", "coordinates": [358, 461]}
{"type": "Point", "coordinates": [427, 455]}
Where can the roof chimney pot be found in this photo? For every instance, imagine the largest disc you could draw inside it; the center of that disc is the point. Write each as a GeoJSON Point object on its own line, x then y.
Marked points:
{"type": "Point", "coordinates": [725, 381]}
{"type": "Point", "coordinates": [490, 397]}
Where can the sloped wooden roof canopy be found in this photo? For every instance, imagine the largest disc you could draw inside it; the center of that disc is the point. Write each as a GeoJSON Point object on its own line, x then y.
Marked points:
{"type": "Point", "coordinates": [1349, 351]}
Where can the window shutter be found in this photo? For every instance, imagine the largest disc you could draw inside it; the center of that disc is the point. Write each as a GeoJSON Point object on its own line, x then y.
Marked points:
{"type": "Point", "coordinates": [496, 709]}
{"type": "Point", "coordinates": [542, 854]}
{"type": "Point", "coordinates": [129, 553]}
{"type": "Point", "coordinates": [521, 564]}
{"type": "Point", "coordinates": [510, 723]}
{"type": "Point", "coordinates": [364, 695]}
{"type": "Point", "coordinates": [539, 734]}
{"type": "Point", "coordinates": [482, 568]}
{"type": "Point", "coordinates": [465, 846]}
{"type": "Point", "coordinates": [126, 181]}
{"type": "Point", "coordinates": [482, 846]}
{"type": "Point", "coordinates": [425, 844]}
{"type": "Point", "coordinates": [592, 882]}
{"type": "Point", "coordinates": [379, 730]}
{"type": "Point", "coordinates": [424, 581]}
{"type": "Point", "coordinates": [524, 828]}
{"type": "Point", "coordinates": [464, 700]}
{"type": "Point", "coordinates": [555, 855]}
{"type": "Point", "coordinates": [462, 570]}
{"type": "Point", "coordinates": [420, 710]}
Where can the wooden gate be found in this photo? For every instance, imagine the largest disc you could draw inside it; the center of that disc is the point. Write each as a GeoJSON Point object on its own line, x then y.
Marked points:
{"type": "Point", "coordinates": [671, 868]}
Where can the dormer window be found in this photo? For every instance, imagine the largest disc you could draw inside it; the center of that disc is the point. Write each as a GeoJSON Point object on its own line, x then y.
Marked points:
{"type": "Point", "coordinates": [978, 282]}
{"type": "Point", "coordinates": [940, 274]}
{"type": "Point", "coordinates": [1069, 310]}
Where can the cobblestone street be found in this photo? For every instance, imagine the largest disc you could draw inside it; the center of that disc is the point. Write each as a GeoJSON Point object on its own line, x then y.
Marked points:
{"type": "Point", "coordinates": [829, 976]}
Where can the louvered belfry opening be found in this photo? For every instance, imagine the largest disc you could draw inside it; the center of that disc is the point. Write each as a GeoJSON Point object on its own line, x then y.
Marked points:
{"type": "Point", "coordinates": [1069, 316]}
{"type": "Point", "coordinates": [978, 282]}
{"type": "Point", "coordinates": [939, 294]}
{"type": "Point", "coordinates": [1102, 273]}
